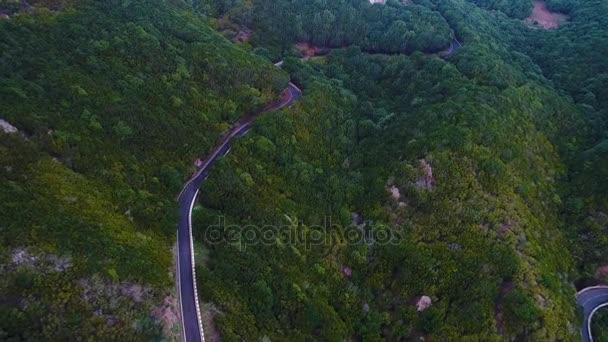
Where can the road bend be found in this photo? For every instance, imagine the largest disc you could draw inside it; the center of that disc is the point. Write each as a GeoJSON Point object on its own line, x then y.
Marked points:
{"type": "Point", "coordinates": [192, 327]}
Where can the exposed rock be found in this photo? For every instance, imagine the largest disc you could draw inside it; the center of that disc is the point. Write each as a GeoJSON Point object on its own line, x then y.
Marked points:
{"type": "Point", "coordinates": [505, 227]}
{"type": "Point", "coordinates": [59, 264]}
{"type": "Point", "coordinates": [308, 49]}
{"type": "Point", "coordinates": [168, 316]}
{"type": "Point", "coordinates": [208, 312]}
{"type": "Point", "coordinates": [346, 163]}
{"type": "Point", "coordinates": [542, 301]}
{"type": "Point", "coordinates": [423, 303]}
{"type": "Point", "coordinates": [426, 181]}
{"type": "Point", "coordinates": [243, 35]}
{"type": "Point", "coordinates": [395, 193]}
{"type": "Point", "coordinates": [43, 262]}
{"type": "Point", "coordinates": [94, 288]}
{"type": "Point", "coordinates": [602, 272]}
{"type": "Point", "coordinates": [454, 246]}
{"type": "Point", "coordinates": [347, 271]}
{"type": "Point", "coordinates": [4, 125]}
{"type": "Point", "coordinates": [71, 199]}
{"type": "Point", "coordinates": [356, 219]}
{"type": "Point", "coordinates": [129, 215]}
{"type": "Point", "coordinates": [108, 318]}
{"type": "Point", "coordinates": [22, 257]}
{"type": "Point", "coordinates": [135, 291]}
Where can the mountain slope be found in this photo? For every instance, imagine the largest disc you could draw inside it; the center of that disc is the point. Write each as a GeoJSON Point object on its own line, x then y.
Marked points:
{"type": "Point", "coordinates": [113, 101]}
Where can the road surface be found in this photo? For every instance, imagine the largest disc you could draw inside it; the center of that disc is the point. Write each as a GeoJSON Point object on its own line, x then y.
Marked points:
{"type": "Point", "coordinates": [454, 47]}
{"type": "Point", "coordinates": [591, 299]}
{"type": "Point", "coordinates": [192, 329]}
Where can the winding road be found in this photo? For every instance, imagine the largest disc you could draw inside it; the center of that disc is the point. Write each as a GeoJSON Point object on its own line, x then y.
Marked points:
{"type": "Point", "coordinates": [192, 328]}
{"type": "Point", "coordinates": [591, 299]}
{"type": "Point", "coordinates": [454, 47]}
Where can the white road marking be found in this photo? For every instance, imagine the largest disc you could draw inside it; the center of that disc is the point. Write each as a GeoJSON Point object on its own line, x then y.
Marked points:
{"type": "Point", "coordinates": [590, 317]}
{"type": "Point", "coordinates": [198, 309]}
{"type": "Point", "coordinates": [208, 162]}
{"type": "Point", "coordinates": [179, 291]}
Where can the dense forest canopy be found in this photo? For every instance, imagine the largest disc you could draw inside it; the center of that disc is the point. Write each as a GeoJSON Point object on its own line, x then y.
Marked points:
{"type": "Point", "coordinates": [113, 101]}
{"type": "Point", "coordinates": [473, 178]}
{"type": "Point", "coordinates": [389, 28]}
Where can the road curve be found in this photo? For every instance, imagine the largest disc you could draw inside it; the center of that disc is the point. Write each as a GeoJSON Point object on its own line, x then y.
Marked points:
{"type": "Point", "coordinates": [454, 47]}
{"type": "Point", "coordinates": [192, 328]}
{"type": "Point", "coordinates": [591, 299]}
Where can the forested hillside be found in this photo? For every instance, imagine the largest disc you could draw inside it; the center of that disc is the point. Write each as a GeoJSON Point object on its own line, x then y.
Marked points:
{"type": "Point", "coordinates": [419, 188]}
{"type": "Point", "coordinates": [467, 161]}
{"type": "Point", "coordinates": [494, 231]}
{"type": "Point", "coordinates": [113, 101]}
{"type": "Point", "coordinates": [514, 8]}
{"type": "Point", "coordinates": [574, 58]}
{"type": "Point", "coordinates": [390, 28]}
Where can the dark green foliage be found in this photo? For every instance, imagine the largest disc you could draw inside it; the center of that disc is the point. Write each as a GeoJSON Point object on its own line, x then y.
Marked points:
{"type": "Point", "coordinates": [390, 28]}
{"type": "Point", "coordinates": [491, 219]}
{"type": "Point", "coordinates": [113, 101]}
{"type": "Point", "coordinates": [599, 324]}
{"type": "Point", "coordinates": [480, 166]}
{"type": "Point", "coordinates": [574, 58]}
{"type": "Point", "coordinates": [513, 8]}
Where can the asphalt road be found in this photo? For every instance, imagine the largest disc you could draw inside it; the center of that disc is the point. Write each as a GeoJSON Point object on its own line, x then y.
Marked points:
{"type": "Point", "coordinates": [591, 299]}
{"type": "Point", "coordinates": [192, 329]}
{"type": "Point", "coordinates": [454, 47]}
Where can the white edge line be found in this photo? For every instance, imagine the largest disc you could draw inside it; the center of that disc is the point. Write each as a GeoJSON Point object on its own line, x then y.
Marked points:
{"type": "Point", "coordinates": [198, 309]}
{"type": "Point", "coordinates": [590, 317]}
{"type": "Point", "coordinates": [592, 288]}
{"type": "Point", "coordinates": [295, 86]}
{"type": "Point", "coordinates": [232, 135]}
{"type": "Point", "coordinates": [179, 291]}
{"type": "Point", "coordinates": [196, 174]}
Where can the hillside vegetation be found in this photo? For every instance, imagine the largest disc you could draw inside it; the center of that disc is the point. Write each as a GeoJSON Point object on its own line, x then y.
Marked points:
{"type": "Point", "coordinates": [403, 196]}
{"type": "Point", "coordinates": [479, 148]}
{"type": "Point", "coordinates": [113, 102]}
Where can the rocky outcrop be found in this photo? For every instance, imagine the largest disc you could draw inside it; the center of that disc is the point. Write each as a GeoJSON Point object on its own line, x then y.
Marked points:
{"type": "Point", "coordinates": [423, 303]}
{"type": "Point", "coordinates": [426, 181]}
{"type": "Point", "coordinates": [346, 271]}
{"type": "Point", "coordinates": [602, 272]}
{"type": "Point", "coordinates": [4, 125]}
{"type": "Point", "coordinates": [168, 316]}
{"type": "Point", "coordinates": [395, 193]}
{"type": "Point", "coordinates": [40, 262]}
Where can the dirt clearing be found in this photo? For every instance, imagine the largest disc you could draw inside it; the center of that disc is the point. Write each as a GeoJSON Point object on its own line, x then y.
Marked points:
{"type": "Point", "coordinates": [542, 17]}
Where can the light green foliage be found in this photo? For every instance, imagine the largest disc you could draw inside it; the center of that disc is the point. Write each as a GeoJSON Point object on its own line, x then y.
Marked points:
{"type": "Point", "coordinates": [599, 324]}
{"type": "Point", "coordinates": [494, 159]}
{"type": "Point", "coordinates": [390, 28]}
{"type": "Point", "coordinates": [114, 101]}
{"type": "Point", "coordinates": [485, 243]}
{"type": "Point", "coordinates": [517, 9]}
